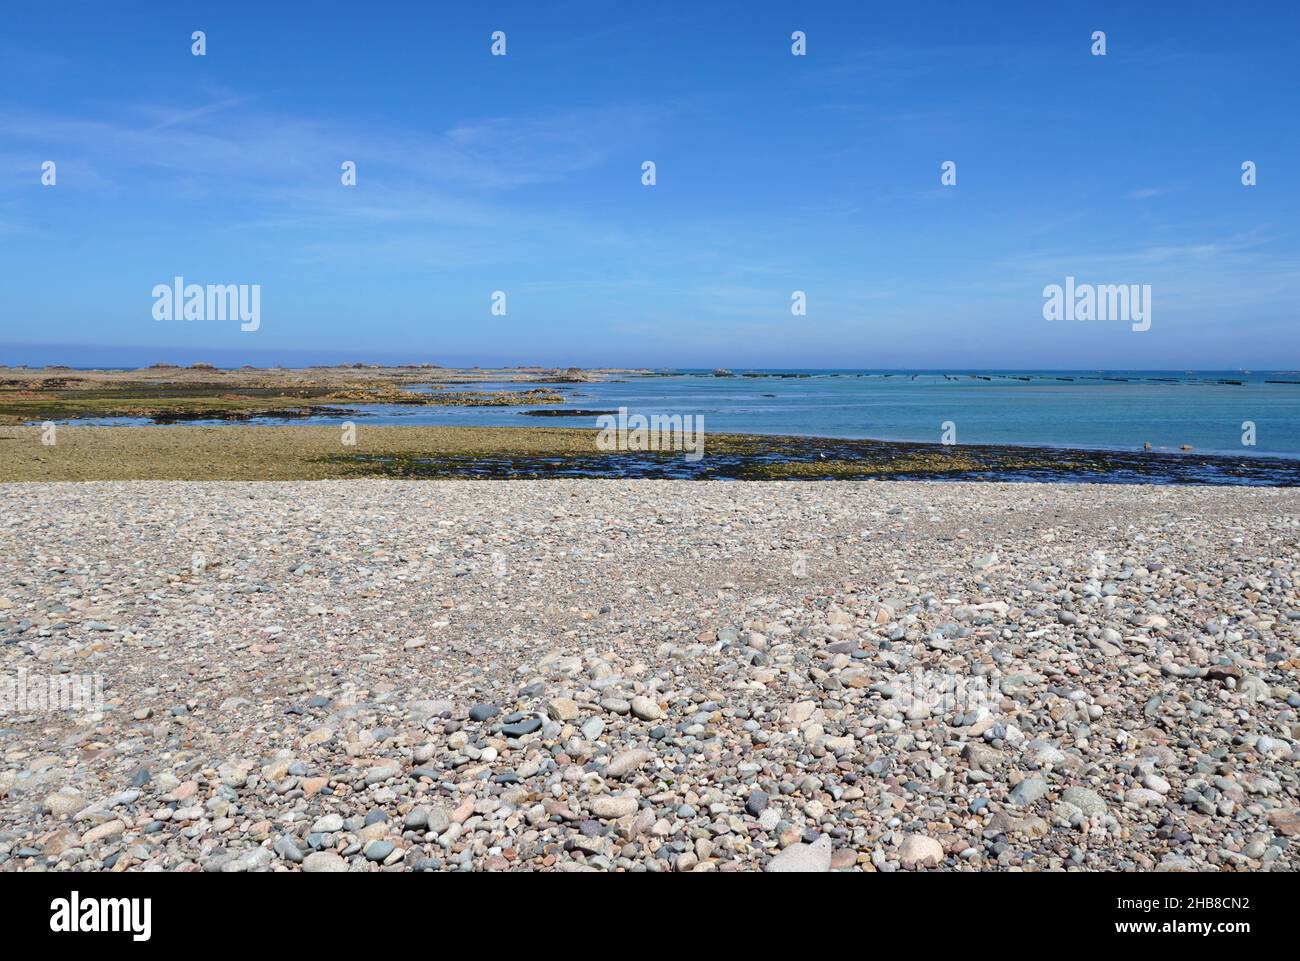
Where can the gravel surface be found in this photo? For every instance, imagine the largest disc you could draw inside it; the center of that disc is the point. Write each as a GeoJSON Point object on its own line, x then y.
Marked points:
{"type": "Point", "coordinates": [650, 675]}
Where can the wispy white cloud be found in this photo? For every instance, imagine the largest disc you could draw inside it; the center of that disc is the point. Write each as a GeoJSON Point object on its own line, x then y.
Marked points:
{"type": "Point", "coordinates": [170, 117]}
{"type": "Point", "coordinates": [231, 136]}
{"type": "Point", "coordinates": [1149, 193]}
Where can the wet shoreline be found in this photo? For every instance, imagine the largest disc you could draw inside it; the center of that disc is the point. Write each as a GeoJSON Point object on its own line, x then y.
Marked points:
{"type": "Point", "coordinates": [757, 457]}
{"type": "Point", "coordinates": [317, 452]}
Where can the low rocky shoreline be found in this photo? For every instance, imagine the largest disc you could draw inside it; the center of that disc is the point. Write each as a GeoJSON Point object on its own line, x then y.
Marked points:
{"type": "Point", "coordinates": [169, 394]}
{"type": "Point", "coordinates": [578, 675]}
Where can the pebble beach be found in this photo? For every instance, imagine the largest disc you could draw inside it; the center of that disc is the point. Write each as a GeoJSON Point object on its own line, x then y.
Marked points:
{"type": "Point", "coordinates": [646, 675]}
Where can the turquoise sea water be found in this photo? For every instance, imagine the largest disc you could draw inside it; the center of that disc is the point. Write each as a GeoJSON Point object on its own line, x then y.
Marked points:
{"type": "Point", "coordinates": [1116, 410]}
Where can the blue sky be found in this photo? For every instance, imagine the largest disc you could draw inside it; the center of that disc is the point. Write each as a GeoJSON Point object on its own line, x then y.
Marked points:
{"type": "Point", "coordinates": [775, 173]}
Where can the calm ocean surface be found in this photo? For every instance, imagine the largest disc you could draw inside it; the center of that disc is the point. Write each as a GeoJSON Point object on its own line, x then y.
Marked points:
{"type": "Point", "coordinates": [1118, 410]}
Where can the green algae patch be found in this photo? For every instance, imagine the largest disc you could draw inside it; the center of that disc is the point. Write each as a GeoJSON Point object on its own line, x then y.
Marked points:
{"type": "Point", "coordinates": [823, 469]}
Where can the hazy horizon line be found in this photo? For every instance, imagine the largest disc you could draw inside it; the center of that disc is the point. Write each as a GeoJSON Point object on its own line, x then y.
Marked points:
{"type": "Point", "coordinates": [141, 356]}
